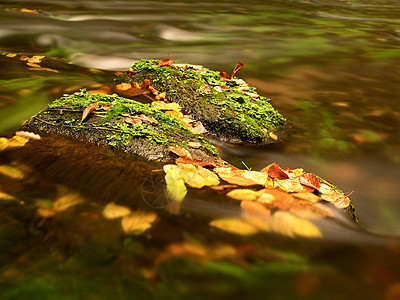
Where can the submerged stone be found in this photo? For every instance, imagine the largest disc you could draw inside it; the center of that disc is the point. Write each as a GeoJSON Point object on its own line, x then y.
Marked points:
{"type": "Point", "coordinates": [229, 108]}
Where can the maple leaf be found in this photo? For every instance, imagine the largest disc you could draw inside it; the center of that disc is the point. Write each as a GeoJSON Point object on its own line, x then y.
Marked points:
{"type": "Point", "coordinates": [88, 110]}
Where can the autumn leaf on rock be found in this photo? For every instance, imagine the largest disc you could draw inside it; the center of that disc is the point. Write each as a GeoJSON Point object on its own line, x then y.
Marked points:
{"type": "Point", "coordinates": [88, 110]}
{"type": "Point", "coordinates": [256, 214]}
{"type": "Point", "coordinates": [238, 66]}
{"type": "Point", "coordinates": [234, 176]}
{"type": "Point", "coordinates": [133, 121]}
{"type": "Point", "coordinates": [191, 176]}
{"type": "Point", "coordinates": [180, 151]}
{"type": "Point", "coordinates": [275, 171]}
{"type": "Point", "coordinates": [335, 197]}
{"type": "Point", "coordinates": [199, 128]}
{"type": "Point", "coordinates": [310, 180]}
{"type": "Point", "coordinates": [166, 62]}
{"type": "Point", "coordinates": [210, 177]}
{"type": "Point", "coordinates": [243, 195]}
{"type": "Point", "coordinates": [176, 189]}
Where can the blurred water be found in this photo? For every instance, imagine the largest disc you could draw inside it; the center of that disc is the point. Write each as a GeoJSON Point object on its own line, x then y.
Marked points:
{"type": "Point", "coordinates": [331, 66]}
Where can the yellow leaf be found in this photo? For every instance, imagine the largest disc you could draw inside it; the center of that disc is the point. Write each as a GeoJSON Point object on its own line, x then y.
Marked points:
{"type": "Point", "coordinates": [11, 55]}
{"type": "Point", "coordinates": [256, 214]}
{"type": "Point", "coordinates": [307, 196]}
{"type": "Point", "coordinates": [175, 114]}
{"type": "Point", "coordinates": [266, 198]}
{"type": "Point", "coordinates": [173, 106]}
{"type": "Point", "coordinates": [335, 197]}
{"type": "Point", "coordinates": [191, 177]}
{"type": "Point", "coordinates": [138, 222]}
{"type": "Point", "coordinates": [36, 59]}
{"type": "Point", "coordinates": [4, 196]}
{"type": "Point", "coordinates": [243, 195]}
{"type": "Point", "coordinates": [210, 177]}
{"type": "Point", "coordinates": [257, 177]}
{"type": "Point", "coordinates": [113, 211]}
{"type": "Point", "coordinates": [180, 151]}
{"type": "Point", "coordinates": [176, 189]}
{"type": "Point", "coordinates": [12, 172]}
{"type": "Point", "coordinates": [305, 228]}
{"type": "Point", "coordinates": [235, 226]}
{"type": "Point", "coordinates": [15, 141]}
{"type": "Point", "coordinates": [286, 224]}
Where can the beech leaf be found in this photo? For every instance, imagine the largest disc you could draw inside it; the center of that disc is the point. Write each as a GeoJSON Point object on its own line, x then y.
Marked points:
{"type": "Point", "coordinates": [234, 176]}
{"type": "Point", "coordinates": [88, 110]}
{"type": "Point", "coordinates": [138, 222]}
{"type": "Point", "coordinates": [113, 211]}
{"type": "Point", "coordinates": [235, 226]}
{"type": "Point", "coordinates": [176, 189]}
{"type": "Point", "coordinates": [166, 62]}
{"type": "Point", "coordinates": [238, 66]}
{"type": "Point", "coordinates": [275, 171]}
{"type": "Point", "coordinates": [310, 180]}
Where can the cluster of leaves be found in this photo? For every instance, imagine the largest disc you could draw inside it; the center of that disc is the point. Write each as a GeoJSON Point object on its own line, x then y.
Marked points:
{"type": "Point", "coordinates": [32, 62]}
{"type": "Point", "coordinates": [278, 200]}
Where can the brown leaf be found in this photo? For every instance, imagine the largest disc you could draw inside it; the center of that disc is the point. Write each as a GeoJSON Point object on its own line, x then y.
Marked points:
{"type": "Point", "coordinates": [238, 66]}
{"type": "Point", "coordinates": [224, 76]}
{"type": "Point", "coordinates": [195, 145]}
{"type": "Point", "coordinates": [130, 72]}
{"type": "Point", "coordinates": [88, 110]}
{"type": "Point", "coordinates": [180, 151]}
{"type": "Point", "coordinates": [146, 119]}
{"type": "Point", "coordinates": [123, 86]}
{"type": "Point", "coordinates": [275, 171]}
{"type": "Point", "coordinates": [153, 90]}
{"type": "Point", "coordinates": [199, 128]}
{"type": "Point", "coordinates": [145, 84]}
{"type": "Point", "coordinates": [166, 62]}
{"type": "Point", "coordinates": [133, 120]}
{"type": "Point", "coordinates": [310, 180]}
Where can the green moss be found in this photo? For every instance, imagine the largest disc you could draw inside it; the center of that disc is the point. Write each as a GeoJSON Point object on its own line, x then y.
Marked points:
{"type": "Point", "coordinates": [230, 115]}
{"type": "Point", "coordinates": [106, 124]}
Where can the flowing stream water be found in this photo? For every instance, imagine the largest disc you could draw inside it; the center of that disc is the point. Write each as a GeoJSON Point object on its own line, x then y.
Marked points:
{"type": "Point", "coordinates": [330, 66]}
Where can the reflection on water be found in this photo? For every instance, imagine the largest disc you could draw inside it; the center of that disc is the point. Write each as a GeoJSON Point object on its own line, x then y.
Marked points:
{"type": "Point", "coordinates": [331, 66]}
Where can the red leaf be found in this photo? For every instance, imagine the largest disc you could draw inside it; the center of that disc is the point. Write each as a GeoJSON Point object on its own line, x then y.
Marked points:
{"type": "Point", "coordinates": [224, 76]}
{"type": "Point", "coordinates": [88, 110]}
{"type": "Point", "coordinates": [166, 62]}
{"type": "Point", "coordinates": [238, 66]}
{"type": "Point", "coordinates": [310, 180]}
{"type": "Point", "coordinates": [275, 171]}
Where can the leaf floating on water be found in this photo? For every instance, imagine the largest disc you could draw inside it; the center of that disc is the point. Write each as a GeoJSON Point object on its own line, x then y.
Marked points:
{"type": "Point", "coordinates": [256, 214]}
{"type": "Point", "coordinates": [257, 177]}
{"type": "Point", "coordinates": [191, 176]}
{"type": "Point", "coordinates": [66, 199]}
{"type": "Point", "coordinates": [310, 180]}
{"type": "Point", "coordinates": [235, 226]}
{"type": "Point", "coordinates": [176, 189]}
{"type": "Point", "coordinates": [36, 59]}
{"type": "Point", "coordinates": [243, 195]}
{"type": "Point", "coordinates": [14, 142]}
{"type": "Point", "coordinates": [210, 177]}
{"type": "Point", "coordinates": [138, 222]}
{"type": "Point", "coordinates": [88, 110]}
{"type": "Point", "coordinates": [6, 197]}
{"type": "Point", "coordinates": [113, 211]}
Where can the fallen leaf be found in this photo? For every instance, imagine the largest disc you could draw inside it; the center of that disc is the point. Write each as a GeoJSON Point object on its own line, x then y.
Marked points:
{"type": "Point", "coordinates": [224, 76]}
{"type": "Point", "coordinates": [14, 142]}
{"type": "Point", "coordinates": [166, 62]}
{"type": "Point", "coordinates": [180, 151]}
{"type": "Point", "coordinates": [310, 180]}
{"type": "Point", "coordinates": [12, 172]}
{"type": "Point", "coordinates": [243, 195]}
{"type": "Point", "coordinates": [11, 55]}
{"type": "Point", "coordinates": [176, 189]}
{"type": "Point", "coordinates": [6, 197]}
{"type": "Point", "coordinates": [258, 177]}
{"type": "Point", "coordinates": [114, 211]}
{"type": "Point", "coordinates": [133, 120]}
{"type": "Point", "coordinates": [235, 226]}
{"type": "Point", "coordinates": [275, 171]}
{"type": "Point", "coordinates": [24, 58]}
{"type": "Point", "coordinates": [88, 110]}
{"type": "Point", "coordinates": [130, 72]}
{"type": "Point", "coordinates": [138, 222]}
{"type": "Point", "coordinates": [36, 59]}
{"type": "Point", "coordinates": [28, 135]}
{"type": "Point", "coordinates": [146, 119]}
{"type": "Point", "coordinates": [123, 86]}
{"type": "Point", "coordinates": [195, 145]}
{"type": "Point", "coordinates": [66, 199]}
{"type": "Point", "coordinates": [210, 177]}
{"type": "Point", "coordinates": [238, 66]}
{"type": "Point", "coordinates": [153, 91]}
{"type": "Point", "coordinates": [234, 176]}
{"type": "Point", "coordinates": [256, 214]}
{"type": "Point", "coordinates": [335, 197]}
{"type": "Point", "coordinates": [292, 185]}
{"type": "Point", "coordinates": [273, 136]}
{"type": "Point", "coordinates": [191, 176]}
{"type": "Point", "coordinates": [307, 196]}
{"type": "Point", "coordinates": [199, 128]}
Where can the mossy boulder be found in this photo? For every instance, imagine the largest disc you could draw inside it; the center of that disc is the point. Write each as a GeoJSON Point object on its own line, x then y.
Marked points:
{"type": "Point", "coordinates": [120, 123]}
{"type": "Point", "coordinates": [229, 109]}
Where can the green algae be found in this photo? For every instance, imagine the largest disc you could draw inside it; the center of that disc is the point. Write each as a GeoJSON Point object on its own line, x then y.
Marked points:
{"type": "Point", "coordinates": [106, 125]}
{"type": "Point", "coordinates": [230, 115]}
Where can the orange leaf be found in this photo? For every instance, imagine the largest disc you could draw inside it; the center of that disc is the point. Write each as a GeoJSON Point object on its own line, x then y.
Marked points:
{"type": "Point", "coordinates": [88, 110]}
{"type": "Point", "coordinates": [180, 151]}
{"type": "Point", "coordinates": [234, 176]}
{"type": "Point", "coordinates": [238, 66]}
{"type": "Point", "coordinates": [275, 171]}
{"type": "Point", "coordinates": [153, 90]}
{"type": "Point", "coordinates": [195, 145]}
{"type": "Point", "coordinates": [199, 128]}
{"type": "Point", "coordinates": [145, 84]}
{"type": "Point", "coordinates": [130, 72]}
{"type": "Point", "coordinates": [166, 62]}
{"type": "Point", "coordinates": [310, 180]}
{"type": "Point", "coordinates": [133, 121]}
{"type": "Point", "coordinates": [123, 86]}
{"type": "Point", "coordinates": [224, 76]}
{"type": "Point", "coordinates": [146, 119]}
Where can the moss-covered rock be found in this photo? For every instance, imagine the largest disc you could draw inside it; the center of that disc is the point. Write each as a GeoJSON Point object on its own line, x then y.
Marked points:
{"type": "Point", "coordinates": [229, 109]}
{"type": "Point", "coordinates": [120, 123]}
